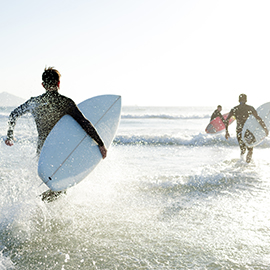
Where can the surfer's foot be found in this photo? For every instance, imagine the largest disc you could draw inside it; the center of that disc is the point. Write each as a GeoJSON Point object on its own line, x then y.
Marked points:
{"type": "Point", "coordinates": [50, 196]}
{"type": "Point", "coordinates": [249, 155]}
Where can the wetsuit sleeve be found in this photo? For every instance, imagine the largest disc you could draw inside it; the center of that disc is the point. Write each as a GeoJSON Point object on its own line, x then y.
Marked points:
{"type": "Point", "coordinates": [221, 117]}
{"type": "Point", "coordinates": [213, 116]}
{"type": "Point", "coordinates": [14, 115]}
{"type": "Point", "coordinates": [84, 123]}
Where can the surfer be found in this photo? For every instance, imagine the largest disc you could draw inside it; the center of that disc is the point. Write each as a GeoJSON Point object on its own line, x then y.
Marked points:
{"type": "Point", "coordinates": [217, 113]}
{"type": "Point", "coordinates": [241, 114]}
{"type": "Point", "coordinates": [47, 109]}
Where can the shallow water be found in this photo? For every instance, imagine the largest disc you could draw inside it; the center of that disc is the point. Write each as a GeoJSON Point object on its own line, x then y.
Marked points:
{"type": "Point", "coordinates": [168, 196]}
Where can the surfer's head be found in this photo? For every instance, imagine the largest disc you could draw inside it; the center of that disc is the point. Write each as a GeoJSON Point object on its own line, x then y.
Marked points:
{"type": "Point", "coordinates": [243, 98]}
{"type": "Point", "coordinates": [51, 79]}
{"type": "Point", "coordinates": [219, 107]}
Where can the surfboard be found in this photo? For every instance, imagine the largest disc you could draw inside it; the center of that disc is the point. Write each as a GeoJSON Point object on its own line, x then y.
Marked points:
{"type": "Point", "coordinates": [69, 154]}
{"type": "Point", "coordinates": [216, 125]}
{"type": "Point", "coordinates": [253, 133]}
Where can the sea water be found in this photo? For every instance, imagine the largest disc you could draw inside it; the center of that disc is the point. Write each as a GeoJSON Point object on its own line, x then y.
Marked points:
{"type": "Point", "coordinates": [168, 196]}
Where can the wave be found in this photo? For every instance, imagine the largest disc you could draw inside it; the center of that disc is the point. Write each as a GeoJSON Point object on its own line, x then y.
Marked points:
{"type": "Point", "coordinates": [22, 140]}
{"type": "Point", "coordinates": [195, 140]}
{"type": "Point", "coordinates": [210, 178]}
{"type": "Point", "coordinates": [199, 140]}
{"type": "Point", "coordinates": [142, 140]}
{"type": "Point", "coordinates": [6, 109]}
{"type": "Point", "coordinates": [164, 116]}
{"type": "Point", "coordinates": [4, 115]}
{"type": "Point", "coordinates": [145, 116]}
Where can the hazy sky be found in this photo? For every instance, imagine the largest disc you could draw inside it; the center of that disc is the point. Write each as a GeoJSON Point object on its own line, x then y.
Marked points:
{"type": "Point", "coordinates": [152, 52]}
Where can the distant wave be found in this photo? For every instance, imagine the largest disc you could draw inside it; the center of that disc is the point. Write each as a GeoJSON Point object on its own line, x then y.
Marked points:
{"type": "Point", "coordinates": [163, 116]}
{"type": "Point", "coordinates": [199, 140]}
{"type": "Point", "coordinates": [195, 141]}
{"type": "Point", "coordinates": [5, 112]}
{"type": "Point", "coordinates": [7, 107]}
{"type": "Point", "coordinates": [4, 115]}
{"type": "Point", "coordinates": [32, 139]}
{"type": "Point", "coordinates": [192, 141]}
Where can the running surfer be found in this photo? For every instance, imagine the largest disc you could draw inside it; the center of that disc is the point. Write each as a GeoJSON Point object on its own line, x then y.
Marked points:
{"type": "Point", "coordinates": [241, 114]}
{"type": "Point", "coordinates": [47, 109]}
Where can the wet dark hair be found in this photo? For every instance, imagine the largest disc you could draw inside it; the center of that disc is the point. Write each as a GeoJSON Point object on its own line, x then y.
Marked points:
{"type": "Point", "coordinates": [243, 98]}
{"type": "Point", "coordinates": [50, 77]}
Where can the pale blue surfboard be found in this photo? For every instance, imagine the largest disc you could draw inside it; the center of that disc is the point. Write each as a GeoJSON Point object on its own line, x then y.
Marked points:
{"type": "Point", "coordinates": [253, 133]}
{"type": "Point", "coordinates": [69, 154]}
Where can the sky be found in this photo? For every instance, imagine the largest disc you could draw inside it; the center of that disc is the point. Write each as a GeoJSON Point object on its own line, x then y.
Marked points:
{"type": "Point", "coordinates": [151, 52]}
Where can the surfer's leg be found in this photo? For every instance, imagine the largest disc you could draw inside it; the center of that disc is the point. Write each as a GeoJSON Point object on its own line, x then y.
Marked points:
{"type": "Point", "coordinates": [249, 155]}
{"type": "Point", "coordinates": [49, 195]}
{"type": "Point", "coordinates": [241, 143]}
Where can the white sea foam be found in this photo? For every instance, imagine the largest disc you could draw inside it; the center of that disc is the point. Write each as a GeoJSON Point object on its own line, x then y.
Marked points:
{"type": "Point", "coordinates": [168, 196]}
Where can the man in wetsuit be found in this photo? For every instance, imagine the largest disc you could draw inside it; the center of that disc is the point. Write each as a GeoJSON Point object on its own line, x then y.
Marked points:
{"type": "Point", "coordinates": [217, 113]}
{"type": "Point", "coordinates": [241, 114]}
{"type": "Point", "coordinates": [48, 108]}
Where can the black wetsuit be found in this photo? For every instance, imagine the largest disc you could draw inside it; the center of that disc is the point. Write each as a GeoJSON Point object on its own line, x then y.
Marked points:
{"type": "Point", "coordinates": [241, 114]}
{"type": "Point", "coordinates": [47, 110]}
{"type": "Point", "coordinates": [216, 114]}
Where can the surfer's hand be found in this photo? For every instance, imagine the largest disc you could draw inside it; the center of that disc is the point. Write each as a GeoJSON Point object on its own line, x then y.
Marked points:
{"type": "Point", "coordinates": [8, 142]}
{"type": "Point", "coordinates": [227, 136]}
{"type": "Point", "coordinates": [103, 151]}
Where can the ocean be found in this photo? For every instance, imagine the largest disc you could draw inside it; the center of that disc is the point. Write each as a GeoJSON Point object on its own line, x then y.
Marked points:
{"type": "Point", "coordinates": [168, 196]}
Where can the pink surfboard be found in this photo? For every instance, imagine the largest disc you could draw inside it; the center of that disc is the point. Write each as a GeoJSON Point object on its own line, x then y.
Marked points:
{"type": "Point", "coordinates": [216, 125]}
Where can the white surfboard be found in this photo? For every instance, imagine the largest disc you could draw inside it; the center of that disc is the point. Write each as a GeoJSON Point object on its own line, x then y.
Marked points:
{"type": "Point", "coordinates": [253, 133]}
{"type": "Point", "coordinates": [69, 154]}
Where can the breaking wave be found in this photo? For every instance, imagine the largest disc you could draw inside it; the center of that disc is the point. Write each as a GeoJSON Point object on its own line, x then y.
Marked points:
{"type": "Point", "coordinates": [164, 116]}
{"type": "Point", "coordinates": [193, 141]}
